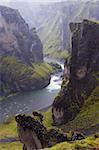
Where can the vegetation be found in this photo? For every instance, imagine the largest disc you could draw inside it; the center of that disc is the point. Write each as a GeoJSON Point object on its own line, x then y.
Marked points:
{"type": "Point", "coordinates": [86, 144]}
{"type": "Point", "coordinates": [89, 114]}
{"type": "Point", "coordinates": [87, 118]}
{"type": "Point", "coordinates": [41, 70]}
{"type": "Point", "coordinates": [8, 129]}
{"type": "Point", "coordinates": [62, 54]}
{"type": "Point", "coordinates": [11, 146]}
{"type": "Point", "coordinates": [48, 118]}
{"type": "Point", "coordinates": [16, 77]}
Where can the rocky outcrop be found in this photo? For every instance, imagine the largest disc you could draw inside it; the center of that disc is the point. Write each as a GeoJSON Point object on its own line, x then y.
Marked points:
{"type": "Point", "coordinates": [83, 66]}
{"type": "Point", "coordinates": [21, 55]}
{"type": "Point", "coordinates": [16, 39]}
{"type": "Point", "coordinates": [34, 135]}
{"type": "Point", "coordinates": [53, 20]}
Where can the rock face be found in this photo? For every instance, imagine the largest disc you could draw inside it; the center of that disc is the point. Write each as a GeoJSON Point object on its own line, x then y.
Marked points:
{"type": "Point", "coordinates": [54, 18]}
{"type": "Point", "coordinates": [34, 135]}
{"type": "Point", "coordinates": [84, 65]}
{"type": "Point", "coordinates": [21, 55]}
{"type": "Point", "coordinates": [16, 39]}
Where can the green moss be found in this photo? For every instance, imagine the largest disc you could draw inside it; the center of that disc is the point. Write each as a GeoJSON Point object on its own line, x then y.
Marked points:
{"type": "Point", "coordinates": [86, 144]}
{"type": "Point", "coordinates": [48, 118]}
{"type": "Point", "coordinates": [89, 114]}
{"type": "Point", "coordinates": [11, 146]}
{"type": "Point", "coordinates": [17, 76]}
{"type": "Point", "coordinates": [2, 98]}
{"type": "Point", "coordinates": [93, 22]}
{"type": "Point", "coordinates": [41, 70]}
{"type": "Point", "coordinates": [8, 129]}
{"type": "Point", "coordinates": [86, 118]}
{"type": "Point", "coordinates": [62, 54]}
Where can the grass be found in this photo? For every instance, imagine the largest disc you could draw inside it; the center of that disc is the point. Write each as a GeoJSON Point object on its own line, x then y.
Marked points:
{"type": "Point", "coordinates": [2, 98]}
{"type": "Point", "coordinates": [89, 114]}
{"type": "Point", "coordinates": [18, 76]}
{"type": "Point", "coordinates": [85, 144]}
{"type": "Point", "coordinates": [11, 146]}
{"type": "Point", "coordinates": [51, 36]}
{"type": "Point", "coordinates": [41, 70]}
{"type": "Point", "coordinates": [88, 117]}
{"type": "Point", "coordinates": [48, 118]}
{"type": "Point", "coordinates": [8, 129]}
{"type": "Point", "coordinates": [62, 54]}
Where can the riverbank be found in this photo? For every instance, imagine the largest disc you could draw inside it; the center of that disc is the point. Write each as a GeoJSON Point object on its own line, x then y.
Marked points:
{"type": "Point", "coordinates": [8, 134]}
{"type": "Point", "coordinates": [18, 77]}
{"type": "Point", "coordinates": [26, 102]}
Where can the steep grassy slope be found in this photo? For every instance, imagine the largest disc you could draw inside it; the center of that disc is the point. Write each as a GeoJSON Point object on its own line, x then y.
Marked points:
{"type": "Point", "coordinates": [21, 55]}
{"type": "Point", "coordinates": [9, 130]}
{"type": "Point", "coordinates": [17, 77]}
{"type": "Point", "coordinates": [86, 119]}
{"type": "Point", "coordinates": [89, 143]}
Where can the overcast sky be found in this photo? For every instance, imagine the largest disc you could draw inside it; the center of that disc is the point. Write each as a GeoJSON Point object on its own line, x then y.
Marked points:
{"type": "Point", "coordinates": [40, 1]}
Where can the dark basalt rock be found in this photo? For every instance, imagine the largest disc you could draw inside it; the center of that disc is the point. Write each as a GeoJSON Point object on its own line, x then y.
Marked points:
{"type": "Point", "coordinates": [34, 135]}
{"type": "Point", "coordinates": [20, 47]}
{"type": "Point", "coordinates": [16, 39]}
{"type": "Point", "coordinates": [83, 65]}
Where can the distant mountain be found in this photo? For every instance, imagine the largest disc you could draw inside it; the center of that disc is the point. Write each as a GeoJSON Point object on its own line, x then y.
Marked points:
{"type": "Point", "coordinates": [52, 20]}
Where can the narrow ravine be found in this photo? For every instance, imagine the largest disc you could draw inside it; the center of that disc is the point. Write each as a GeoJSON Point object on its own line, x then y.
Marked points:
{"type": "Point", "coordinates": [27, 102]}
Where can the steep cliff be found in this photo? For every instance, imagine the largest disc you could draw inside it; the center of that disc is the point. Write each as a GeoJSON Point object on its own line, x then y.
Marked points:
{"type": "Point", "coordinates": [16, 39]}
{"type": "Point", "coordinates": [83, 72]}
{"type": "Point", "coordinates": [52, 21]}
{"type": "Point", "coordinates": [21, 55]}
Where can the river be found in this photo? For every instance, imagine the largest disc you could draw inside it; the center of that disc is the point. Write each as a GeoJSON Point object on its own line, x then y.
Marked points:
{"type": "Point", "coordinates": [29, 101]}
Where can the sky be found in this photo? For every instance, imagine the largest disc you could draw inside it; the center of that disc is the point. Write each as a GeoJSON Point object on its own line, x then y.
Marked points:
{"type": "Point", "coordinates": [43, 1]}
{"type": "Point", "coordinates": [40, 1]}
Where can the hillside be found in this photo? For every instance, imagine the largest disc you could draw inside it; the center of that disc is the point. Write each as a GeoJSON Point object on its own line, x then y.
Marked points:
{"type": "Point", "coordinates": [72, 122]}
{"type": "Point", "coordinates": [83, 69]}
{"type": "Point", "coordinates": [74, 110]}
{"type": "Point", "coordinates": [21, 55]}
{"type": "Point", "coordinates": [52, 21]}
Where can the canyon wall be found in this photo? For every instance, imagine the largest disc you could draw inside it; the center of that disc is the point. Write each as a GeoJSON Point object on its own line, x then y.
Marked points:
{"type": "Point", "coordinates": [83, 70]}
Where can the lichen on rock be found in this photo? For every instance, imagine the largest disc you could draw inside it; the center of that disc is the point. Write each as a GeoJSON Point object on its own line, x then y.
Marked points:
{"type": "Point", "coordinates": [34, 135]}
{"type": "Point", "coordinates": [83, 65]}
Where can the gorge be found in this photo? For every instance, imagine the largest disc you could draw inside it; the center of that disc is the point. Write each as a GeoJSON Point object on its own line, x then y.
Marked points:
{"type": "Point", "coordinates": [48, 103]}
{"type": "Point", "coordinates": [52, 21]}
{"type": "Point", "coordinates": [21, 55]}
{"type": "Point", "coordinates": [81, 92]}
